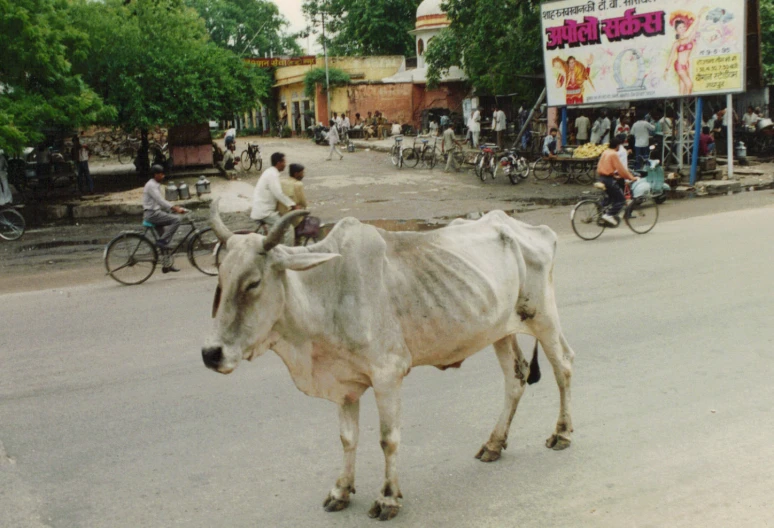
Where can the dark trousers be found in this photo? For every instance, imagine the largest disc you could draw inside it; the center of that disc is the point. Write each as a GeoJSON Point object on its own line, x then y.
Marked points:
{"type": "Point", "coordinates": [615, 196]}
{"type": "Point", "coordinates": [166, 223]}
{"type": "Point", "coordinates": [84, 177]}
{"type": "Point", "coordinates": [641, 154]}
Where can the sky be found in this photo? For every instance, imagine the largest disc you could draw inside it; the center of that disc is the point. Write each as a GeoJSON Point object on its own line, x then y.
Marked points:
{"type": "Point", "coordinates": [291, 9]}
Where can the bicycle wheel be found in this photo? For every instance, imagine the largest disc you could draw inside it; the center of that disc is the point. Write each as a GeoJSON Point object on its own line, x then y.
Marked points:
{"type": "Point", "coordinates": [410, 157]}
{"type": "Point", "coordinates": [585, 220]}
{"type": "Point", "coordinates": [492, 163]}
{"type": "Point", "coordinates": [430, 157]}
{"type": "Point", "coordinates": [522, 169]}
{"type": "Point", "coordinates": [641, 215]}
{"type": "Point", "coordinates": [258, 164]}
{"type": "Point", "coordinates": [247, 161]}
{"type": "Point", "coordinates": [459, 159]}
{"type": "Point", "coordinates": [395, 154]}
{"type": "Point", "coordinates": [478, 166]}
{"type": "Point", "coordinates": [541, 169]}
{"type": "Point", "coordinates": [130, 258]}
{"type": "Point", "coordinates": [126, 155]}
{"type": "Point", "coordinates": [12, 224]}
{"type": "Point", "coordinates": [202, 251]}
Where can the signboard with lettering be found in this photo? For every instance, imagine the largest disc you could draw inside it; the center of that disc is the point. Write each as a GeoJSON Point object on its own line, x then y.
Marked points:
{"type": "Point", "coordinates": [601, 51]}
{"type": "Point", "coordinates": [276, 62]}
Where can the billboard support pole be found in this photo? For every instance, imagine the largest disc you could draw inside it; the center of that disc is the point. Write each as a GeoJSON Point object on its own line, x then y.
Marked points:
{"type": "Point", "coordinates": [681, 131]}
{"type": "Point", "coordinates": [564, 126]}
{"type": "Point", "coordinates": [696, 133]}
{"type": "Point", "coordinates": [730, 134]}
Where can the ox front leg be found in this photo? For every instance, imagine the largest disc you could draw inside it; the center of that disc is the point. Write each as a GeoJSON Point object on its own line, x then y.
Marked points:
{"type": "Point", "coordinates": [561, 357]}
{"type": "Point", "coordinates": [388, 401]}
{"type": "Point", "coordinates": [338, 498]}
{"type": "Point", "coordinates": [516, 369]}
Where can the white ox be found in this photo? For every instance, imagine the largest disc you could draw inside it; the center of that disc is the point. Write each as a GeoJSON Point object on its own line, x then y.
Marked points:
{"type": "Point", "coordinates": [364, 306]}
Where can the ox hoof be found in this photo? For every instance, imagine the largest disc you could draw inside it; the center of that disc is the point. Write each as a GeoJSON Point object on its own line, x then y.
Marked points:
{"type": "Point", "coordinates": [487, 455]}
{"type": "Point", "coordinates": [558, 442]}
{"type": "Point", "coordinates": [337, 500]}
{"type": "Point", "coordinates": [383, 510]}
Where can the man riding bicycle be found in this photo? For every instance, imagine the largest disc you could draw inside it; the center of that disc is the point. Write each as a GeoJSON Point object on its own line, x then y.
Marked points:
{"type": "Point", "coordinates": [268, 192]}
{"type": "Point", "coordinates": [155, 209]}
{"type": "Point", "coordinates": [611, 171]}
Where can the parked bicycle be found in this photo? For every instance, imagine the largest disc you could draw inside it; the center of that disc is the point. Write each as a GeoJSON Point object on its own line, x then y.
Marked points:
{"type": "Point", "coordinates": [425, 154]}
{"type": "Point", "coordinates": [131, 257]}
{"type": "Point", "coordinates": [252, 157]}
{"type": "Point", "coordinates": [12, 223]}
{"type": "Point", "coordinates": [486, 161]}
{"type": "Point", "coordinates": [396, 152]}
{"type": "Point", "coordinates": [640, 214]}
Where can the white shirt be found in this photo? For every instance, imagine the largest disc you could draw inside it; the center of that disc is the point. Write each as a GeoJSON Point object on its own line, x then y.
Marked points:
{"type": "Point", "coordinates": [268, 191]}
{"type": "Point", "coordinates": [338, 121]}
{"type": "Point", "coordinates": [152, 200]}
{"type": "Point", "coordinates": [333, 136]}
{"type": "Point", "coordinates": [83, 153]}
{"type": "Point", "coordinates": [346, 122]}
{"type": "Point", "coordinates": [596, 132]}
{"type": "Point", "coordinates": [606, 130]}
{"type": "Point", "coordinates": [750, 119]}
{"type": "Point", "coordinates": [475, 122]}
{"type": "Point", "coordinates": [623, 155]}
{"type": "Point", "coordinates": [498, 121]}
{"type": "Point", "coordinates": [5, 189]}
{"type": "Point", "coordinates": [231, 132]}
{"type": "Point", "coordinates": [582, 125]}
{"type": "Point", "coordinates": [641, 131]}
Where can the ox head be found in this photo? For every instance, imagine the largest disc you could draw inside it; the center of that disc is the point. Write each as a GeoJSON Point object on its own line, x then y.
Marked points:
{"type": "Point", "coordinates": [251, 292]}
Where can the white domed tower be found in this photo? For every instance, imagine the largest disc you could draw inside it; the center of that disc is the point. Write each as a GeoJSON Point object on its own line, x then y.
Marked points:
{"type": "Point", "coordinates": [431, 19]}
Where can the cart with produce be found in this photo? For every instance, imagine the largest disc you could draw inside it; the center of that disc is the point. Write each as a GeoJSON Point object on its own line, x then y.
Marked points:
{"type": "Point", "coordinates": [572, 163]}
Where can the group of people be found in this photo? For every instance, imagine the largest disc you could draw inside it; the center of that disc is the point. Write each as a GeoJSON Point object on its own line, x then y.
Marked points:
{"type": "Point", "coordinates": [273, 197]}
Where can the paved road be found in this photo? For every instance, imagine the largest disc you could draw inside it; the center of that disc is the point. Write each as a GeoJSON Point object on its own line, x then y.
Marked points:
{"type": "Point", "coordinates": [110, 419]}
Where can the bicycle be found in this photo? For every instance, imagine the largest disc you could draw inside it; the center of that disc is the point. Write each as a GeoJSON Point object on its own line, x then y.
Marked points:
{"type": "Point", "coordinates": [426, 154]}
{"type": "Point", "coordinates": [485, 161]}
{"type": "Point", "coordinates": [640, 214]}
{"type": "Point", "coordinates": [127, 150]}
{"type": "Point", "coordinates": [396, 152]}
{"type": "Point", "coordinates": [459, 156]}
{"type": "Point", "coordinates": [252, 157]}
{"type": "Point", "coordinates": [131, 257]}
{"type": "Point", "coordinates": [12, 223]}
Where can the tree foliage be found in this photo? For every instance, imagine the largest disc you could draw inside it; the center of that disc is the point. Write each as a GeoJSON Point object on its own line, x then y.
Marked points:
{"type": "Point", "coordinates": [767, 39]}
{"type": "Point", "coordinates": [313, 77]}
{"type": "Point", "coordinates": [38, 88]}
{"type": "Point", "coordinates": [365, 27]}
{"type": "Point", "coordinates": [154, 62]}
{"type": "Point", "coordinates": [246, 27]}
{"type": "Point", "coordinates": [491, 45]}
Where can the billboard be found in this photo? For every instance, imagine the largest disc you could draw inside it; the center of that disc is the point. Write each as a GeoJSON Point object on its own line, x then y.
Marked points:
{"type": "Point", "coordinates": [276, 62]}
{"type": "Point", "coordinates": [606, 51]}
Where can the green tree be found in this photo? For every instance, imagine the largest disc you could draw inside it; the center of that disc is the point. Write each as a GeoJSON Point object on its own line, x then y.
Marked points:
{"type": "Point", "coordinates": [492, 46]}
{"type": "Point", "coordinates": [767, 39]}
{"type": "Point", "coordinates": [365, 27]}
{"type": "Point", "coordinates": [154, 62]}
{"type": "Point", "coordinates": [38, 89]}
{"type": "Point", "coordinates": [246, 27]}
{"type": "Point", "coordinates": [336, 77]}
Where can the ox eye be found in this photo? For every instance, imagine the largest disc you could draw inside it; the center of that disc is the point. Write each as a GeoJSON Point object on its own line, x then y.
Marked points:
{"type": "Point", "coordinates": [253, 285]}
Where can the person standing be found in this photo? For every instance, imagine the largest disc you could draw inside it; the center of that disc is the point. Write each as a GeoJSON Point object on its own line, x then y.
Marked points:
{"type": "Point", "coordinates": [333, 140]}
{"type": "Point", "coordinates": [6, 196]}
{"type": "Point", "coordinates": [156, 210]}
{"type": "Point", "coordinates": [582, 126]}
{"type": "Point", "coordinates": [605, 128]}
{"type": "Point", "coordinates": [268, 194]}
{"type": "Point", "coordinates": [84, 176]}
{"type": "Point", "coordinates": [475, 126]}
{"type": "Point", "coordinates": [433, 126]}
{"type": "Point", "coordinates": [641, 130]}
{"type": "Point", "coordinates": [499, 125]}
{"type": "Point", "coordinates": [448, 142]}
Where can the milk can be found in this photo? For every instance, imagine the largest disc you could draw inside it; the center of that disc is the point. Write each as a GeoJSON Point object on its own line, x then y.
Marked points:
{"type": "Point", "coordinates": [171, 193]}
{"type": "Point", "coordinates": [203, 185]}
{"type": "Point", "coordinates": [183, 191]}
{"type": "Point", "coordinates": [741, 151]}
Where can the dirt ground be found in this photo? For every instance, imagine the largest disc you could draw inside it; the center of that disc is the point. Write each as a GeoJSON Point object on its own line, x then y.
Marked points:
{"type": "Point", "coordinates": [364, 185]}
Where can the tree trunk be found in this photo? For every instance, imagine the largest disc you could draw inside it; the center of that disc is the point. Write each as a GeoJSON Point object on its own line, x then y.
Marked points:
{"type": "Point", "coordinates": [143, 163]}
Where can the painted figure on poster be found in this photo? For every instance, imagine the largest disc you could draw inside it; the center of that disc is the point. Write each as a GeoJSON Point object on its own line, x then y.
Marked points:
{"type": "Point", "coordinates": [573, 75]}
{"type": "Point", "coordinates": [686, 27]}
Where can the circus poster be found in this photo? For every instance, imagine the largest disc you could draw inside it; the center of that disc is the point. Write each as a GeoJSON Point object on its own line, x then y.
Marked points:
{"type": "Point", "coordinates": [602, 51]}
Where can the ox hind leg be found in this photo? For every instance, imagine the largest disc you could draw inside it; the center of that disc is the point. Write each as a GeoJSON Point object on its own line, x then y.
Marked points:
{"type": "Point", "coordinates": [388, 402]}
{"type": "Point", "coordinates": [338, 498]}
{"type": "Point", "coordinates": [548, 331]}
{"type": "Point", "coordinates": [516, 370]}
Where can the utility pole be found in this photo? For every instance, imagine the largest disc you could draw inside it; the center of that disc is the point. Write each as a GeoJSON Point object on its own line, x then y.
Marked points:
{"type": "Point", "coordinates": [327, 79]}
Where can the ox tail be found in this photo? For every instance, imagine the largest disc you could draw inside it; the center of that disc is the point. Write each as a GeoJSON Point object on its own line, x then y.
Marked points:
{"type": "Point", "coordinates": [534, 368]}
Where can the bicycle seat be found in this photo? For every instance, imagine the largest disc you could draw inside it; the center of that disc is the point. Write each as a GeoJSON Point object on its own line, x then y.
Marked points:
{"type": "Point", "coordinates": [145, 223]}
{"type": "Point", "coordinates": [398, 138]}
{"type": "Point", "coordinates": [425, 140]}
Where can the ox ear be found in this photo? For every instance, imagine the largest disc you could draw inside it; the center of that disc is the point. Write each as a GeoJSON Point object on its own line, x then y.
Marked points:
{"type": "Point", "coordinates": [303, 261]}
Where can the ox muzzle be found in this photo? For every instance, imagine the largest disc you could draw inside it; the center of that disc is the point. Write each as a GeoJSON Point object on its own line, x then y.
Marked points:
{"type": "Point", "coordinates": [212, 357]}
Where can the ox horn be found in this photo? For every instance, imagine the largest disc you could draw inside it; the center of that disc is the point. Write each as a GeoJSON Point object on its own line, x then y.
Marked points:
{"type": "Point", "coordinates": [221, 231]}
{"type": "Point", "coordinates": [275, 235]}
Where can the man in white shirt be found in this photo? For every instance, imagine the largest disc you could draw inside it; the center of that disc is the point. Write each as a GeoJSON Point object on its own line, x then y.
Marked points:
{"type": "Point", "coordinates": [155, 210]}
{"type": "Point", "coordinates": [582, 126]}
{"type": "Point", "coordinates": [230, 136]}
{"type": "Point", "coordinates": [474, 125]}
{"type": "Point", "coordinates": [5, 188]}
{"type": "Point", "coordinates": [499, 125]}
{"type": "Point", "coordinates": [268, 192]}
{"type": "Point", "coordinates": [596, 131]}
{"type": "Point", "coordinates": [641, 130]}
{"type": "Point", "coordinates": [750, 119]}
{"type": "Point", "coordinates": [605, 128]}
